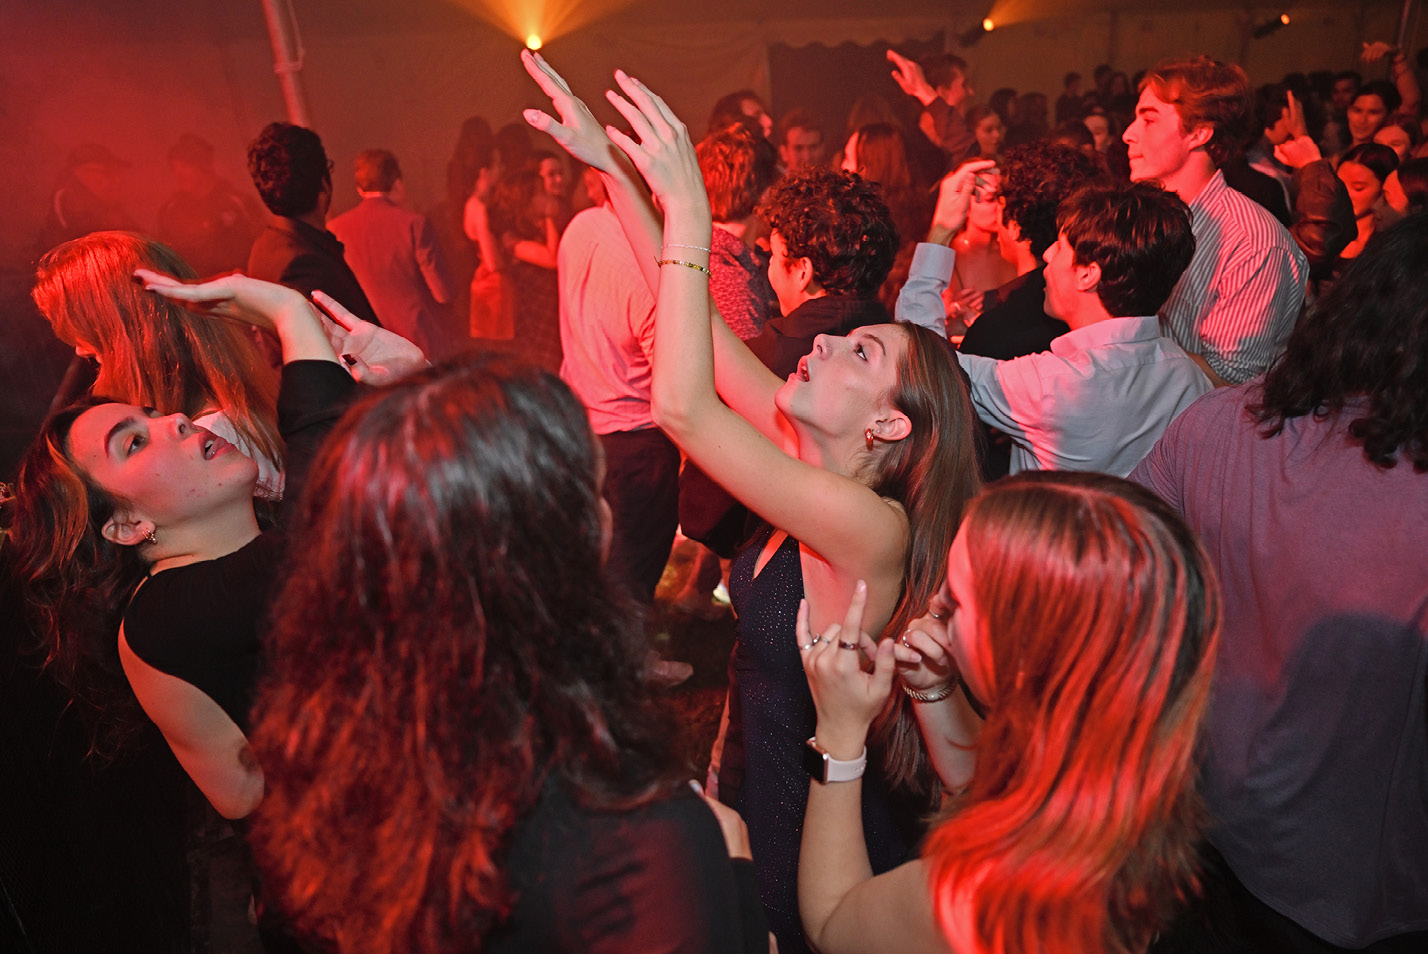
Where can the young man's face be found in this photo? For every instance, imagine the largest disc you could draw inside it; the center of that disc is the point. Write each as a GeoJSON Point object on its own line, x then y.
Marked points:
{"type": "Point", "coordinates": [801, 148]}
{"type": "Point", "coordinates": [1343, 94]}
{"type": "Point", "coordinates": [1158, 146]}
{"type": "Point", "coordinates": [957, 91]}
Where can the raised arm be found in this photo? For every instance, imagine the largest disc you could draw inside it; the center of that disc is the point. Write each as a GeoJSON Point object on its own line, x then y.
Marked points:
{"type": "Point", "coordinates": [277, 308]}
{"type": "Point", "coordinates": [742, 380]}
{"type": "Point", "coordinates": [844, 522]}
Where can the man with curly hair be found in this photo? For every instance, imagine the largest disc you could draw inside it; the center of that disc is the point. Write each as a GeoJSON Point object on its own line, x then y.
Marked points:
{"type": "Point", "coordinates": [1244, 289]}
{"type": "Point", "coordinates": [294, 179]}
{"type": "Point", "coordinates": [833, 243]}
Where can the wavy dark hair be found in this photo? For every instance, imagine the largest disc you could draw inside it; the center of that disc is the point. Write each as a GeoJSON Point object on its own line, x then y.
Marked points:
{"type": "Point", "coordinates": [1362, 351]}
{"type": "Point", "coordinates": [289, 167]}
{"type": "Point", "coordinates": [1376, 158]}
{"type": "Point", "coordinates": [934, 473]}
{"type": "Point", "coordinates": [840, 223]}
{"type": "Point", "coordinates": [76, 583]}
{"type": "Point", "coordinates": [446, 642]}
{"type": "Point", "coordinates": [1036, 177]}
{"type": "Point", "coordinates": [1139, 234]}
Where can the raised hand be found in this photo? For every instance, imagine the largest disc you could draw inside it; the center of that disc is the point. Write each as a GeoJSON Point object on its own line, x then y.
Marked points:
{"type": "Point", "coordinates": [236, 297]}
{"type": "Point", "coordinates": [954, 196]}
{"type": "Point", "coordinates": [373, 355]}
{"type": "Point", "coordinates": [577, 131]}
{"type": "Point", "coordinates": [910, 79]}
{"type": "Point", "coordinates": [251, 301]}
{"type": "Point", "coordinates": [661, 149]}
{"type": "Point", "coordinates": [847, 697]}
{"type": "Point", "coordinates": [924, 651]}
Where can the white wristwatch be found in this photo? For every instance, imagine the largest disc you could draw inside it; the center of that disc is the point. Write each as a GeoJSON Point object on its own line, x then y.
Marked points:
{"type": "Point", "coordinates": [825, 768]}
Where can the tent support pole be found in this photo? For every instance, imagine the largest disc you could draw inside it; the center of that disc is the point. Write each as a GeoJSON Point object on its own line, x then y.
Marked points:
{"type": "Point", "coordinates": [287, 58]}
{"type": "Point", "coordinates": [1403, 19]}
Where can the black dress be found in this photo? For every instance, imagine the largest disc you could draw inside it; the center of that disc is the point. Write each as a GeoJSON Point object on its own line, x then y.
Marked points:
{"type": "Point", "coordinates": [771, 715]}
{"type": "Point", "coordinates": [657, 878]}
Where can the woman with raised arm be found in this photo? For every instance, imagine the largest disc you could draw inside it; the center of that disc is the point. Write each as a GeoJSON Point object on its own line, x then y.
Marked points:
{"type": "Point", "coordinates": [1083, 614]}
{"type": "Point", "coordinates": [860, 462]}
{"type": "Point", "coordinates": [156, 353]}
{"type": "Point", "coordinates": [136, 540]}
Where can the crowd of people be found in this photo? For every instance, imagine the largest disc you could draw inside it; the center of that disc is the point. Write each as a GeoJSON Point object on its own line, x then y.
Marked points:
{"type": "Point", "coordinates": [1069, 480]}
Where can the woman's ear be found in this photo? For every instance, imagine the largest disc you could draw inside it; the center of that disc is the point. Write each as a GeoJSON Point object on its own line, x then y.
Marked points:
{"type": "Point", "coordinates": [126, 530]}
{"type": "Point", "coordinates": [893, 427]}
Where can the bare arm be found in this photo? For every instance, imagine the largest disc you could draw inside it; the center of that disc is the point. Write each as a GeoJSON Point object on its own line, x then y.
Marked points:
{"type": "Point", "coordinates": [867, 537]}
{"type": "Point", "coordinates": [208, 744]}
{"type": "Point", "coordinates": [845, 908]}
{"type": "Point", "coordinates": [742, 380]}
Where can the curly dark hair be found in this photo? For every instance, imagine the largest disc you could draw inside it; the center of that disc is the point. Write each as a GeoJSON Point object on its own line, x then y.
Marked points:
{"type": "Point", "coordinates": [446, 642]}
{"type": "Point", "coordinates": [74, 582]}
{"type": "Point", "coordinates": [1036, 178]}
{"type": "Point", "coordinates": [840, 224]}
{"type": "Point", "coordinates": [1139, 234]}
{"type": "Point", "coordinates": [289, 168]}
{"type": "Point", "coordinates": [1362, 350]}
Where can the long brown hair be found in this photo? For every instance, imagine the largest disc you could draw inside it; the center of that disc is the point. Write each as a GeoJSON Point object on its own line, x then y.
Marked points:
{"type": "Point", "coordinates": [153, 353]}
{"type": "Point", "coordinates": [446, 643]}
{"type": "Point", "coordinates": [933, 473]}
{"type": "Point", "coordinates": [1099, 619]}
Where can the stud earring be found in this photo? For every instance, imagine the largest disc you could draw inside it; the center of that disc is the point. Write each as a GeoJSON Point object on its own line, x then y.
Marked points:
{"type": "Point", "coordinates": [149, 536]}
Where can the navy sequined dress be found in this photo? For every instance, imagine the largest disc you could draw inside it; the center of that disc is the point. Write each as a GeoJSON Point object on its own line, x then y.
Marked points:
{"type": "Point", "coordinates": [771, 715]}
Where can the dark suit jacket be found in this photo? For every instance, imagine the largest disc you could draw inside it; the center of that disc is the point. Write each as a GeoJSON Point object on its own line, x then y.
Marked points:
{"type": "Point", "coordinates": [295, 254]}
{"type": "Point", "coordinates": [394, 254]}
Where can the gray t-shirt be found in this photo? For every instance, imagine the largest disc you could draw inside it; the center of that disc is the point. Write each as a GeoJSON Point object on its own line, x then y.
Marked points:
{"type": "Point", "coordinates": [1316, 767]}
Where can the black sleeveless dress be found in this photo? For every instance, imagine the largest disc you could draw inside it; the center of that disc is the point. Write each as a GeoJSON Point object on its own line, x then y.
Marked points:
{"type": "Point", "coordinates": [771, 715]}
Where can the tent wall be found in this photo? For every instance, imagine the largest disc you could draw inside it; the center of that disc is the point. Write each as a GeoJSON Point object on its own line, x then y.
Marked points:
{"type": "Point", "coordinates": [137, 75]}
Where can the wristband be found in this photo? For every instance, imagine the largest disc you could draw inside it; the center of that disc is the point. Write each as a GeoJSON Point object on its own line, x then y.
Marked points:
{"type": "Point", "coordinates": [824, 768]}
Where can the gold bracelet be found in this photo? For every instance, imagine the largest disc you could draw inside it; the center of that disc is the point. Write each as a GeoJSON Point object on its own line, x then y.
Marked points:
{"type": "Point", "coordinates": [675, 261]}
{"type": "Point", "coordinates": [931, 695]}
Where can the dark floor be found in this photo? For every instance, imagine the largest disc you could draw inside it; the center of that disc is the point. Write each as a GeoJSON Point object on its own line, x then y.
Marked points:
{"type": "Point", "coordinates": [704, 644]}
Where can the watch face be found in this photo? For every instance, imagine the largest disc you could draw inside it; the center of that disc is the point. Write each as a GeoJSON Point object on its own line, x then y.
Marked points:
{"type": "Point", "coordinates": [815, 763]}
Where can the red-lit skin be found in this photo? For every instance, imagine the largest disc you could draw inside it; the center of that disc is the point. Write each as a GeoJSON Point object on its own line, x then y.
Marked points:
{"type": "Point", "coordinates": [158, 464]}
{"type": "Point", "coordinates": [1364, 187]}
{"type": "Point", "coordinates": [1366, 114]}
{"type": "Point", "coordinates": [843, 380]}
{"type": "Point", "coordinates": [1396, 138]}
{"type": "Point", "coordinates": [989, 134]}
{"type": "Point", "coordinates": [802, 147]}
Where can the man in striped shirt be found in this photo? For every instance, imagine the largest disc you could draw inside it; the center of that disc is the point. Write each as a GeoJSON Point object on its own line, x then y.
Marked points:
{"type": "Point", "coordinates": [1237, 302]}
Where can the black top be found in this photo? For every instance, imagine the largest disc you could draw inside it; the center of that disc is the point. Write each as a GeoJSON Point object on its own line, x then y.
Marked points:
{"type": "Point", "coordinates": [789, 337]}
{"type": "Point", "coordinates": [771, 714]}
{"type": "Point", "coordinates": [657, 878]}
{"type": "Point", "coordinates": [1017, 324]}
{"type": "Point", "coordinates": [201, 622]}
{"type": "Point", "coordinates": [308, 259]}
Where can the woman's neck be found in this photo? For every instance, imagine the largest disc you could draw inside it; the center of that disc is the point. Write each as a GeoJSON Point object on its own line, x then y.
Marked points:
{"type": "Point", "coordinates": [202, 539]}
